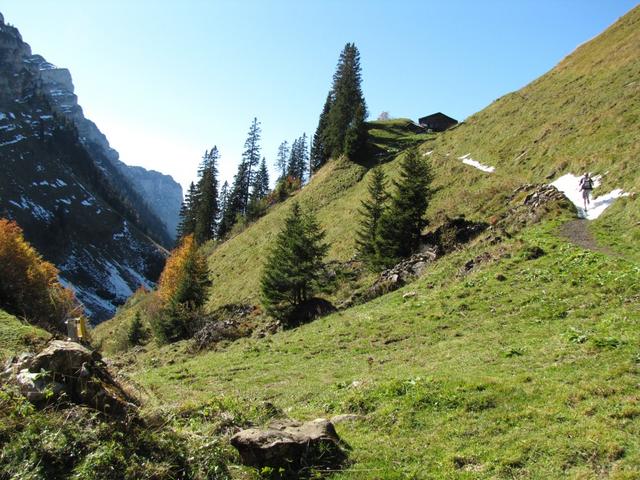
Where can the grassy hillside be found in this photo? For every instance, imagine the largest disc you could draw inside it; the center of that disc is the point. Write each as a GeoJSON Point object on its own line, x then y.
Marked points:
{"type": "Point", "coordinates": [524, 365]}
{"type": "Point", "coordinates": [530, 375]}
{"type": "Point", "coordinates": [334, 193]}
{"type": "Point", "coordinates": [17, 337]}
{"type": "Point", "coordinates": [584, 114]}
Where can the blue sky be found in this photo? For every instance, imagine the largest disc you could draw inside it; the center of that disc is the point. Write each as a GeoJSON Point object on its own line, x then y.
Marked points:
{"type": "Point", "coordinates": [165, 80]}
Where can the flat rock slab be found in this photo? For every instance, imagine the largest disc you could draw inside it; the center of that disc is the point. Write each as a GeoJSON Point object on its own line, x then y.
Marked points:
{"type": "Point", "coordinates": [294, 446]}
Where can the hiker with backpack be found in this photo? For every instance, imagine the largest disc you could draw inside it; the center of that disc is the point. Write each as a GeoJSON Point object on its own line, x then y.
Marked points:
{"type": "Point", "coordinates": [586, 186]}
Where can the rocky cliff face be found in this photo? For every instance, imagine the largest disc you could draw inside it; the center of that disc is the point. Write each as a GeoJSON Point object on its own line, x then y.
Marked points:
{"type": "Point", "coordinates": [160, 192]}
{"type": "Point", "coordinates": [67, 189]}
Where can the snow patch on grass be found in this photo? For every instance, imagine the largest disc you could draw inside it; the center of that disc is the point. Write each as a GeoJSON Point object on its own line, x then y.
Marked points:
{"type": "Point", "coordinates": [467, 160]}
{"type": "Point", "coordinates": [569, 185]}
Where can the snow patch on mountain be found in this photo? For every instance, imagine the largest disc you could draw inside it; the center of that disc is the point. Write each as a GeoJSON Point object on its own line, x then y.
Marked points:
{"type": "Point", "coordinates": [119, 286]}
{"type": "Point", "coordinates": [16, 139]}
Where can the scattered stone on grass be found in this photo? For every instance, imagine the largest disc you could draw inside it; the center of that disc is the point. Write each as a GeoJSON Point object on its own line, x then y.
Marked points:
{"type": "Point", "coordinates": [296, 447]}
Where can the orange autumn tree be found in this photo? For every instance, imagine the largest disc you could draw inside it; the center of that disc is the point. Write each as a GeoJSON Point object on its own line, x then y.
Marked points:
{"type": "Point", "coordinates": [182, 290]}
{"type": "Point", "coordinates": [29, 285]}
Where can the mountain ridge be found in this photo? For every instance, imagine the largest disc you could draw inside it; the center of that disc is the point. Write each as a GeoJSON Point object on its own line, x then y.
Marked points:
{"type": "Point", "coordinates": [73, 203]}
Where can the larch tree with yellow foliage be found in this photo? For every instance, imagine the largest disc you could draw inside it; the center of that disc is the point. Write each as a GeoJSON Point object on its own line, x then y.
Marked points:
{"type": "Point", "coordinates": [182, 290]}
{"type": "Point", "coordinates": [29, 285]}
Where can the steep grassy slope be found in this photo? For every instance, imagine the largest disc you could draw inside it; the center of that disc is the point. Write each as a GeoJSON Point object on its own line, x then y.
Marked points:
{"type": "Point", "coordinates": [476, 376]}
{"type": "Point", "coordinates": [582, 115]}
{"type": "Point", "coordinates": [17, 337]}
{"type": "Point", "coordinates": [334, 193]}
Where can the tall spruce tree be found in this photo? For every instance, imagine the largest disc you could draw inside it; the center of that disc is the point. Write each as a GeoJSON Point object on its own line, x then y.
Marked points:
{"type": "Point", "coordinates": [319, 154]}
{"type": "Point", "coordinates": [187, 224]}
{"type": "Point", "coordinates": [282, 159]}
{"type": "Point", "coordinates": [234, 206]}
{"type": "Point", "coordinates": [261, 182]}
{"type": "Point", "coordinates": [298, 159]}
{"type": "Point", "coordinates": [223, 200]}
{"type": "Point", "coordinates": [207, 209]}
{"type": "Point", "coordinates": [371, 212]}
{"type": "Point", "coordinates": [251, 159]}
{"type": "Point", "coordinates": [294, 264]}
{"type": "Point", "coordinates": [355, 140]}
{"type": "Point", "coordinates": [257, 204]}
{"type": "Point", "coordinates": [243, 181]}
{"type": "Point", "coordinates": [401, 224]}
{"type": "Point", "coordinates": [341, 127]}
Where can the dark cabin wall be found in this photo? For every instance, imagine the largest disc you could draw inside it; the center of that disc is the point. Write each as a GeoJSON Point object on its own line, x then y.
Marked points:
{"type": "Point", "coordinates": [438, 122]}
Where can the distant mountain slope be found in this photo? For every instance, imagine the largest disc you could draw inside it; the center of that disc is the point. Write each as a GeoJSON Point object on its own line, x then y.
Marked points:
{"type": "Point", "coordinates": [73, 203]}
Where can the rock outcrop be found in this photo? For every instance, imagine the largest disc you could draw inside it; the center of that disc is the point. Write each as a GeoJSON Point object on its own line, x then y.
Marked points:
{"type": "Point", "coordinates": [395, 277]}
{"type": "Point", "coordinates": [529, 203]}
{"type": "Point", "coordinates": [296, 447]}
{"type": "Point", "coordinates": [160, 192]}
{"type": "Point", "coordinates": [66, 188]}
{"type": "Point", "coordinates": [67, 372]}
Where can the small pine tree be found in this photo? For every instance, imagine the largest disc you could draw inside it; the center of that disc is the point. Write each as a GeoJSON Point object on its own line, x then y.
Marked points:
{"type": "Point", "coordinates": [136, 333]}
{"type": "Point", "coordinates": [400, 226]}
{"type": "Point", "coordinates": [282, 159]}
{"type": "Point", "coordinates": [371, 211]}
{"type": "Point", "coordinates": [293, 266]}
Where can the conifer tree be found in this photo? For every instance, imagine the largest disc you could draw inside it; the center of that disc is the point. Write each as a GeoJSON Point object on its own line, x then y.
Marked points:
{"type": "Point", "coordinates": [371, 211]}
{"type": "Point", "coordinates": [261, 181]}
{"type": "Point", "coordinates": [251, 159]}
{"type": "Point", "coordinates": [223, 197]}
{"type": "Point", "coordinates": [341, 127]}
{"type": "Point", "coordinates": [298, 159]}
{"type": "Point", "coordinates": [400, 226]}
{"type": "Point", "coordinates": [257, 204]}
{"type": "Point", "coordinates": [319, 154]}
{"type": "Point", "coordinates": [293, 266]}
{"type": "Point", "coordinates": [136, 333]}
{"type": "Point", "coordinates": [355, 139]}
{"type": "Point", "coordinates": [235, 205]}
{"type": "Point", "coordinates": [206, 211]}
{"type": "Point", "coordinates": [188, 210]}
{"type": "Point", "coordinates": [243, 181]}
{"type": "Point", "coordinates": [282, 159]}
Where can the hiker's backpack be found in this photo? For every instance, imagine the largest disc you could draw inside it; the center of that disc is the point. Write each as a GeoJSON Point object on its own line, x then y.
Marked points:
{"type": "Point", "coordinates": [587, 183]}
